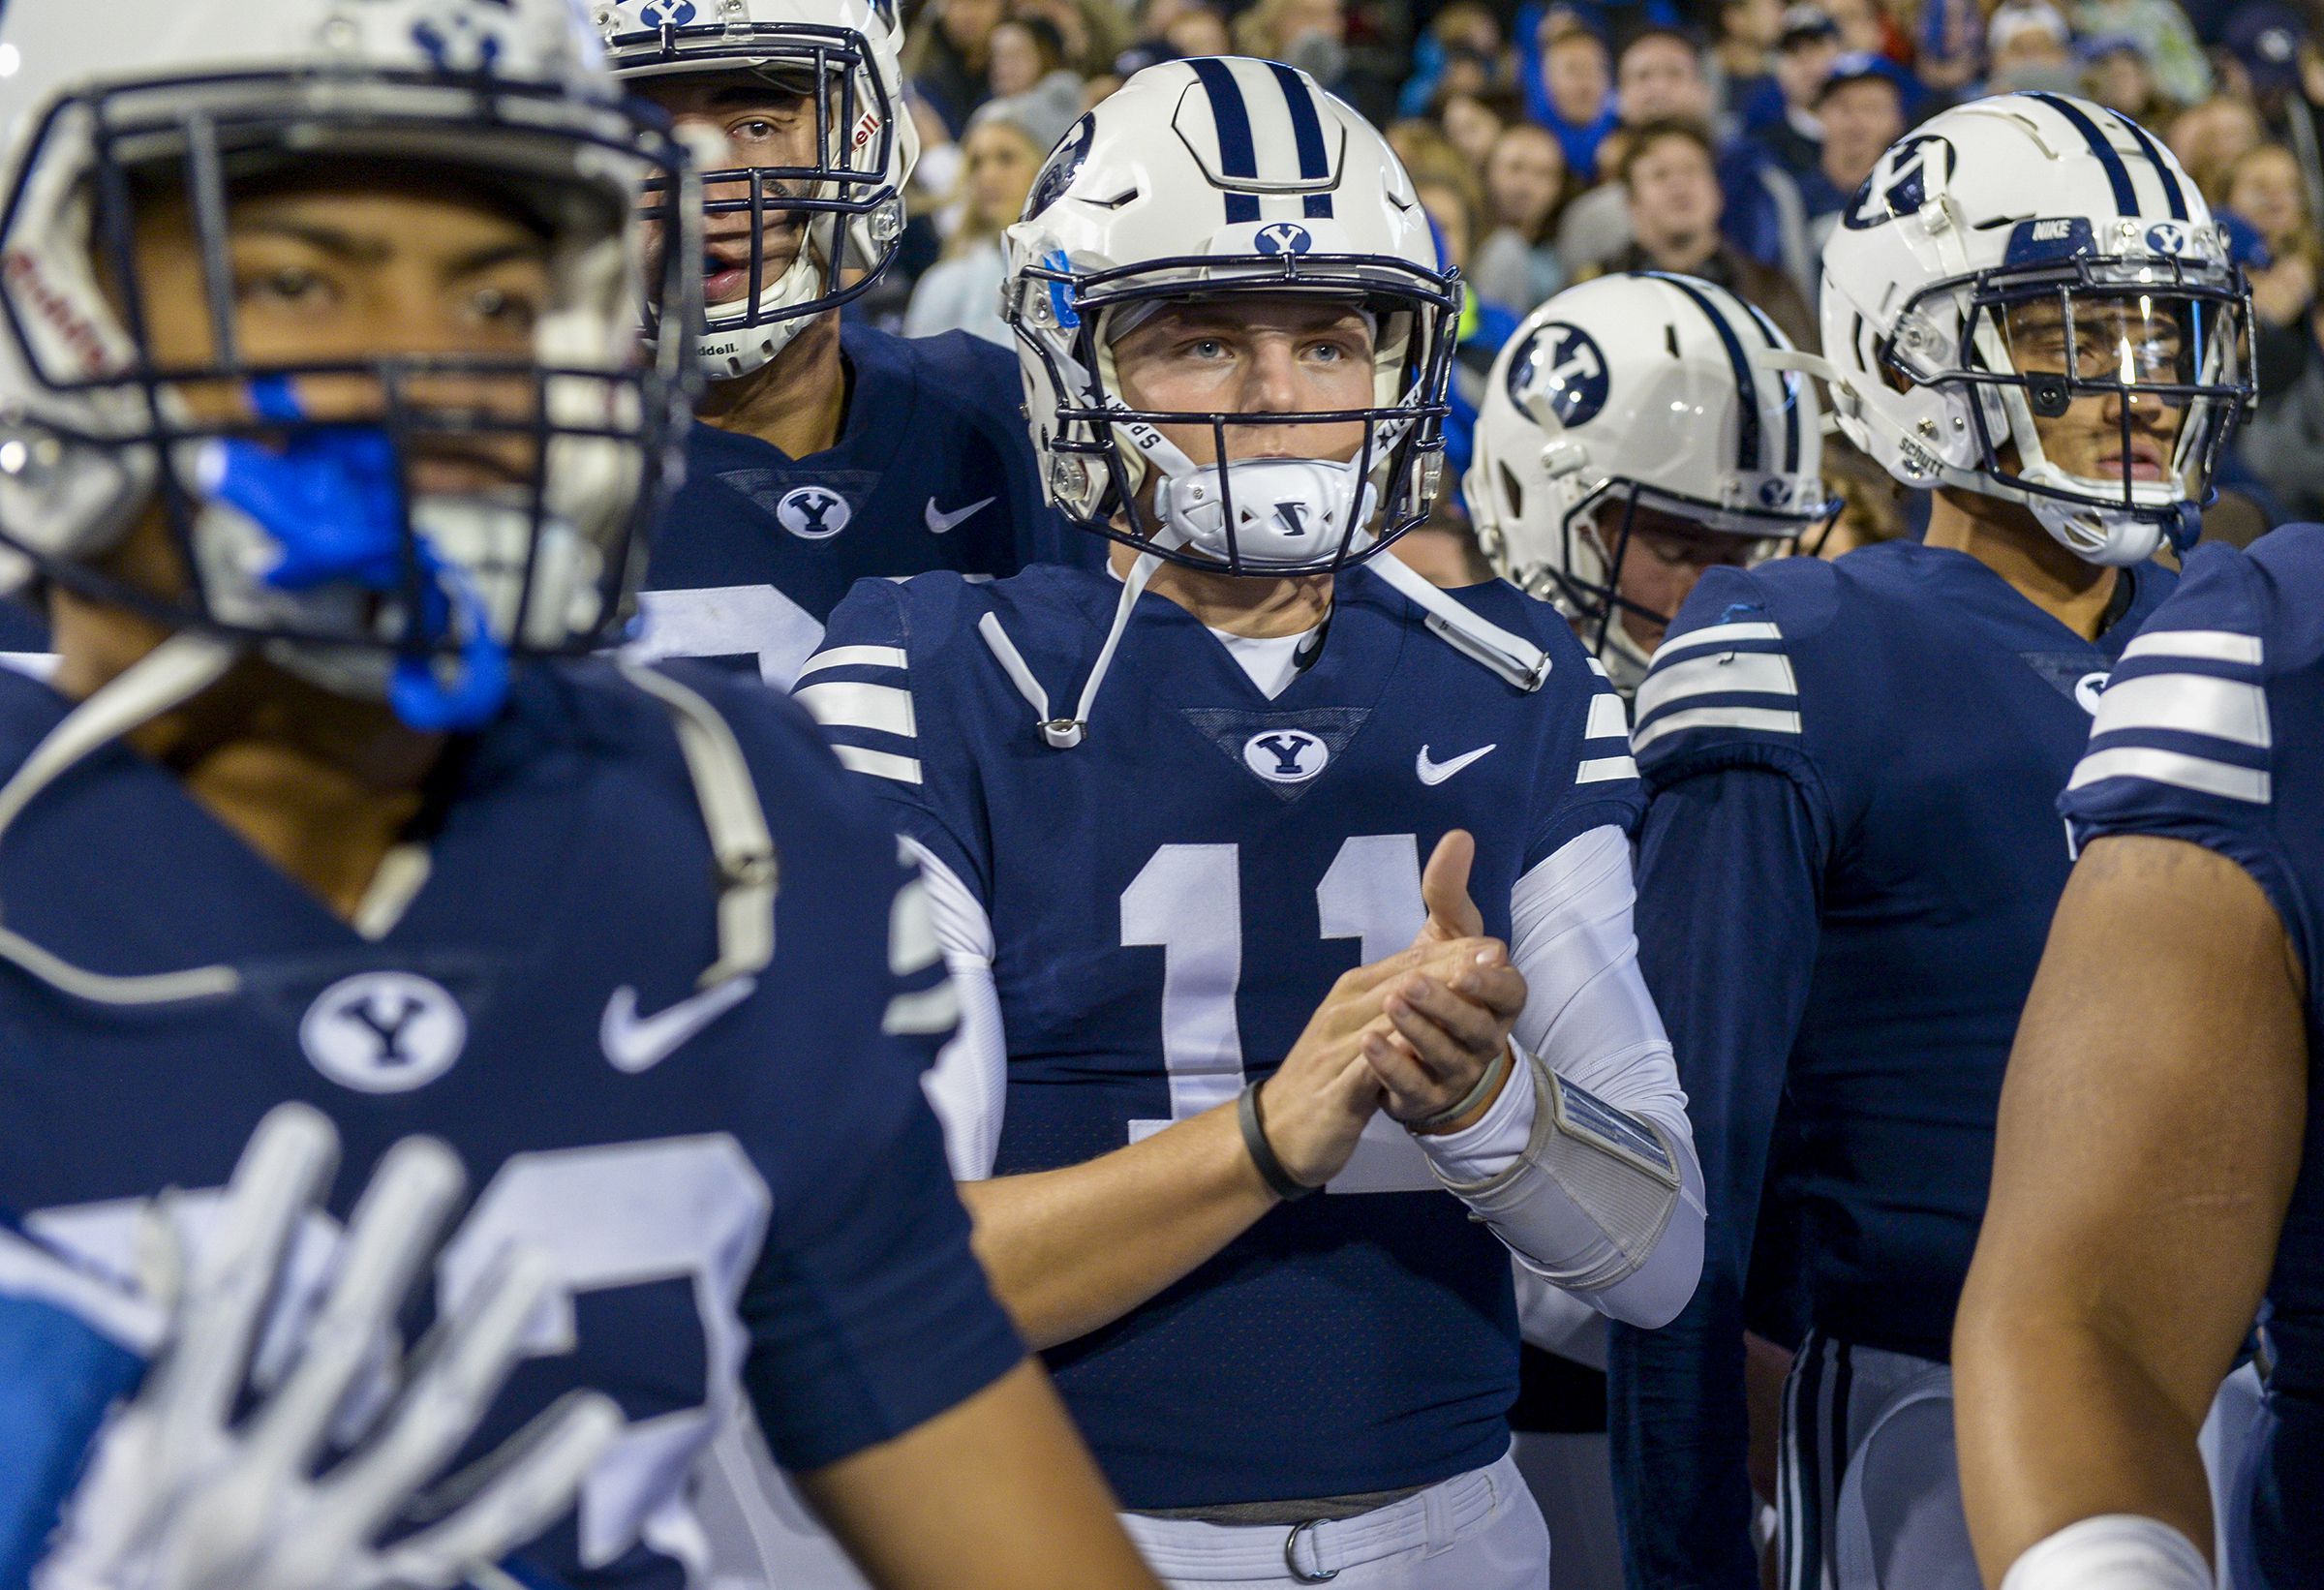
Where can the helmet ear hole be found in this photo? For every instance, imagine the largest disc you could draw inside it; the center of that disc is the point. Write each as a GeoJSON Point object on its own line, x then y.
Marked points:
{"type": "Point", "coordinates": [1511, 489]}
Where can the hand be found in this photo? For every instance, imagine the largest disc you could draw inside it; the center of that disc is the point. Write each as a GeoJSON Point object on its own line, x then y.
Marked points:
{"type": "Point", "coordinates": [178, 1498]}
{"type": "Point", "coordinates": [1315, 1105]}
{"type": "Point", "coordinates": [1447, 1022]}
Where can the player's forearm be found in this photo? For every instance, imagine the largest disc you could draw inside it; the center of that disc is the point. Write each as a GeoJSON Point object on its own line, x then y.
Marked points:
{"type": "Point", "coordinates": [1072, 1249]}
{"type": "Point", "coordinates": [2058, 1422]}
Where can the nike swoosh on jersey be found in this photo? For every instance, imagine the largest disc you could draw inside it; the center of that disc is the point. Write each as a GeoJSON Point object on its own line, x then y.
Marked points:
{"type": "Point", "coordinates": [633, 1043]}
{"type": "Point", "coordinates": [1436, 772]}
{"type": "Point", "coordinates": [940, 522]}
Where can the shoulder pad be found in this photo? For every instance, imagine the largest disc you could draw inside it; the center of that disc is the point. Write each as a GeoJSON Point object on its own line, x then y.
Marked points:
{"type": "Point", "coordinates": [1723, 680]}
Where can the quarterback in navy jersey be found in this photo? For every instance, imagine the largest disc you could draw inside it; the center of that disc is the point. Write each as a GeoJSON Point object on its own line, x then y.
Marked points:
{"type": "Point", "coordinates": [2157, 1172]}
{"type": "Point", "coordinates": [320, 807]}
{"type": "Point", "coordinates": [822, 454]}
{"type": "Point", "coordinates": [1849, 856]}
{"type": "Point", "coordinates": [1250, 854]}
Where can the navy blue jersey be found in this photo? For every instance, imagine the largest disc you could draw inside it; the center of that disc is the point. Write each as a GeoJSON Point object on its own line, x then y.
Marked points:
{"type": "Point", "coordinates": [2213, 732]}
{"type": "Point", "coordinates": [933, 470]}
{"type": "Point", "coordinates": [22, 628]}
{"type": "Point", "coordinates": [743, 1178]}
{"type": "Point", "coordinates": [1846, 873]}
{"type": "Point", "coordinates": [1169, 901]}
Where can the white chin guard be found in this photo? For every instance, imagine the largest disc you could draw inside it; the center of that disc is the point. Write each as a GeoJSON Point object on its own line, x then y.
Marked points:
{"type": "Point", "coordinates": [1289, 512]}
{"type": "Point", "coordinates": [2096, 534]}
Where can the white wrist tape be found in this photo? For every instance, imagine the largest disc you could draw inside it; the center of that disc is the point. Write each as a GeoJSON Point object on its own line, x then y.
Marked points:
{"type": "Point", "coordinates": [1586, 1202]}
{"type": "Point", "coordinates": [2113, 1551]}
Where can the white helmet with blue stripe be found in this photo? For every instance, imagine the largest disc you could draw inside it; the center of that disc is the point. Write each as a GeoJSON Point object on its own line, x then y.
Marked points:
{"type": "Point", "coordinates": [1639, 392]}
{"type": "Point", "coordinates": [2019, 259]}
{"type": "Point", "coordinates": [1224, 178]}
{"type": "Point", "coordinates": [838, 215]}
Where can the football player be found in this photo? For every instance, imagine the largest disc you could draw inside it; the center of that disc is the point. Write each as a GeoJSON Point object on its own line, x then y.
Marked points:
{"type": "Point", "coordinates": [1851, 855]}
{"type": "Point", "coordinates": [1252, 854]}
{"type": "Point", "coordinates": [2155, 1172]}
{"type": "Point", "coordinates": [824, 453]}
{"type": "Point", "coordinates": [184, 1489]}
{"type": "Point", "coordinates": [1632, 436]}
{"type": "Point", "coordinates": [329, 435]}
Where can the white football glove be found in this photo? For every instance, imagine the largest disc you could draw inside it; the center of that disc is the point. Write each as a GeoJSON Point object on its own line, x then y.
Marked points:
{"type": "Point", "coordinates": [178, 1498]}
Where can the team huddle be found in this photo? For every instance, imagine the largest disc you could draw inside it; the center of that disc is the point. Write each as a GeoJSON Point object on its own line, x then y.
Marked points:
{"type": "Point", "coordinates": [948, 972]}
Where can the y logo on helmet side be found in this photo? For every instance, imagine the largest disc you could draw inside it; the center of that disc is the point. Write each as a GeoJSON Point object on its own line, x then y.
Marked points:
{"type": "Point", "coordinates": [1284, 237]}
{"type": "Point", "coordinates": [1566, 367]}
{"type": "Point", "coordinates": [1899, 184]}
{"type": "Point", "coordinates": [1063, 164]}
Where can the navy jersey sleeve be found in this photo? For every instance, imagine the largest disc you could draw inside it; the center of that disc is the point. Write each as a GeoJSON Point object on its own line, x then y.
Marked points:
{"type": "Point", "coordinates": [873, 691]}
{"type": "Point", "coordinates": [1731, 862]}
{"type": "Point", "coordinates": [1730, 867]}
{"type": "Point", "coordinates": [2183, 743]}
{"type": "Point", "coordinates": [1601, 780]}
{"type": "Point", "coordinates": [65, 1356]}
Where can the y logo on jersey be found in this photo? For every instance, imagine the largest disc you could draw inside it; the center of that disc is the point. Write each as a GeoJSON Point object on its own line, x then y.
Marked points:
{"type": "Point", "coordinates": [1562, 365]}
{"type": "Point", "coordinates": [1283, 237]}
{"type": "Point", "coordinates": [383, 1031]}
{"type": "Point", "coordinates": [813, 513]}
{"type": "Point", "coordinates": [1285, 756]}
{"type": "Point", "coordinates": [2087, 691]}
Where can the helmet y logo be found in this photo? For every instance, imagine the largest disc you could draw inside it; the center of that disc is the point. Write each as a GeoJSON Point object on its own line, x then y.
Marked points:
{"type": "Point", "coordinates": [1899, 185]}
{"type": "Point", "coordinates": [457, 42]}
{"type": "Point", "coordinates": [1563, 365]}
{"type": "Point", "coordinates": [1284, 237]}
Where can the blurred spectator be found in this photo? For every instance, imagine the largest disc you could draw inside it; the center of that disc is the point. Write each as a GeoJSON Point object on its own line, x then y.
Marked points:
{"type": "Point", "coordinates": [1863, 112]}
{"type": "Point", "coordinates": [1871, 501]}
{"type": "Point", "coordinates": [946, 56]}
{"type": "Point", "coordinates": [1026, 50]}
{"type": "Point", "coordinates": [2180, 67]}
{"type": "Point", "coordinates": [1660, 78]}
{"type": "Point", "coordinates": [1742, 61]}
{"type": "Point", "coordinates": [2283, 439]}
{"type": "Point", "coordinates": [1573, 93]}
{"type": "Point", "coordinates": [1670, 176]}
{"type": "Point", "coordinates": [1525, 185]}
{"type": "Point", "coordinates": [2265, 186]}
{"type": "Point", "coordinates": [1472, 125]}
{"type": "Point", "coordinates": [2263, 52]}
{"type": "Point", "coordinates": [1421, 145]}
{"type": "Point", "coordinates": [1866, 30]}
{"type": "Point", "coordinates": [1455, 213]}
{"type": "Point", "coordinates": [1950, 53]}
{"type": "Point", "coordinates": [1002, 151]}
{"type": "Point", "coordinates": [2207, 139]}
{"type": "Point", "coordinates": [1464, 32]}
{"type": "Point", "coordinates": [2030, 46]}
{"type": "Point", "coordinates": [1094, 31]}
{"type": "Point", "coordinates": [1311, 35]}
{"type": "Point", "coordinates": [2117, 74]}
{"type": "Point", "coordinates": [1790, 130]}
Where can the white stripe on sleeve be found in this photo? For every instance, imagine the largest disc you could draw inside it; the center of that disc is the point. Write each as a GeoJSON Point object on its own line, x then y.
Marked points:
{"type": "Point", "coordinates": [2199, 774]}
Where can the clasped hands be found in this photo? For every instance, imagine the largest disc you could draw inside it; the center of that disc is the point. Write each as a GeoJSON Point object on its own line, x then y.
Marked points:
{"type": "Point", "coordinates": [1411, 1034]}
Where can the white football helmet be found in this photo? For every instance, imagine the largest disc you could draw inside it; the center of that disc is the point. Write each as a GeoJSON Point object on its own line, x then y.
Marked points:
{"type": "Point", "coordinates": [2009, 259]}
{"type": "Point", "coordinates": [1228, 178]}
{"type": "Point", "coordinates": [842, 215]}
{"type": "Point", "coordinates": [298, 534]}
{"type": "Point", "coordinates": [1645, 391]}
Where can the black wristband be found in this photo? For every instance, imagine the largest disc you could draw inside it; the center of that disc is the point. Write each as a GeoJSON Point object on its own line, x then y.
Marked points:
{"type": "Point", "coordinates": [1263, 1154]}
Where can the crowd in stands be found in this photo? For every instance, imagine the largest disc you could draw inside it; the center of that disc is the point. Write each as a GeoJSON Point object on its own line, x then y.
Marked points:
{"type": "Point", "coordinates": [1552, 141]}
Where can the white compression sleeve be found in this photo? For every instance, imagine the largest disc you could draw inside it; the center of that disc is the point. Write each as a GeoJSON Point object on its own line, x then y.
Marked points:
{"type": "Point", "coordinates": [2113, 1551]}
{"type": "Point", "coordinates": [1591, 1023]}
{"type": "Point", "coordinates": [969, 1084]}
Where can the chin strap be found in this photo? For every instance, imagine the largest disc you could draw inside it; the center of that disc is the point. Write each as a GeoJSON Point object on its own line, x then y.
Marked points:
{"type": "Point", "coordinates": [1065, 733]}
{"type": "Point", "coordinates": [173, 672]}
{"type": "Point", "coordinates": [1510, 654]}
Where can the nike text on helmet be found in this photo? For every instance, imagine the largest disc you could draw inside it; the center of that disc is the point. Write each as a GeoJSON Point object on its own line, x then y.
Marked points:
{"type": "Point", "coordinates": [843, 212]}
{"type": "Point", "coordinates": [1228, 180]}
{"type": "Point", "coordinates": [1639, 390]}
{"type": "Point", "coordinates": [309, 537]}
{"type": "Point", "coordinates": [2012, 257]}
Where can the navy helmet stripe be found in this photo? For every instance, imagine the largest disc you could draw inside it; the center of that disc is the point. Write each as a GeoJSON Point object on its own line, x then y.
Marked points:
{"type": "Point", "coordinates": [1307, 135]}
{"type": "Point", "coordinates": [1751, 446]}
{"type": "Point", "coordinates": [1237, 154]}
{"type": "Point", "coordinates": [2171, 193]}
{"type": "Point", "coordinates": [2125, 195]}
{"type": "Point", "coordinates": [1758, 318]}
